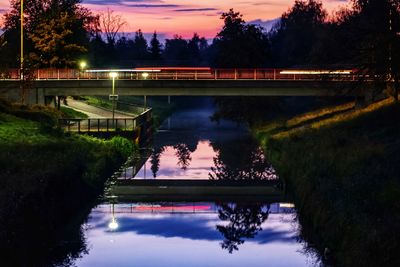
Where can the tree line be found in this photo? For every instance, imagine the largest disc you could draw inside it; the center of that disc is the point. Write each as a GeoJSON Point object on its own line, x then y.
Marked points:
{"type": "Point", "coordinates": [59, 33]}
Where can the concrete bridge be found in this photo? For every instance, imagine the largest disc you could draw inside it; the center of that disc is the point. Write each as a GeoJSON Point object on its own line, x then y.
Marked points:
{"type": "Point", "coordinates": [183, 82]}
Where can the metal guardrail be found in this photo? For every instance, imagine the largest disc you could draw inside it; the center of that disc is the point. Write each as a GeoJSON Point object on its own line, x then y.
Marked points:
{"type": "Point", "coordinates": [187, 74]}
{"type": "Point", "coordinates": [99, 125]}
{"type": "Point", "coordinates": [92, 125]}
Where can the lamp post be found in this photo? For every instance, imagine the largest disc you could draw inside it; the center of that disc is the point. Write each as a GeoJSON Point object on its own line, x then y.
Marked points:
{"type": "Point", "coordinates": [390, 41]}
{"type": "Point", "coordinates": [22, 54]}
{"type": "Point", "coordinates": [82, 67]}
{"type": "Point", "coordinates": [113, 75]}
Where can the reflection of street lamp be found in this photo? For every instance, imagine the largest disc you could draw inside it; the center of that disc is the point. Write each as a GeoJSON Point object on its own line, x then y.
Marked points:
{"type": "Point", "coordinates": [113, 75]}
{"type": "Point", "coordinates": [113, 225]}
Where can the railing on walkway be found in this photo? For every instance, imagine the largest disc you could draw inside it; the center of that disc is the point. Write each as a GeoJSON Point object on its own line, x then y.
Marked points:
{"type": "Point", "coordinates": [187, 74]}
{"type": "Point", "coordinates": [99, 125]}
{"type": "Point", "coordinates": [173, 207]}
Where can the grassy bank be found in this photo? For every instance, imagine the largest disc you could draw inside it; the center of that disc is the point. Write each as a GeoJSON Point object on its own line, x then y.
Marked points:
{"type": "Point", "coordinates": [342, 166]}
{"type": "Point", "coordinates": [47, 177]}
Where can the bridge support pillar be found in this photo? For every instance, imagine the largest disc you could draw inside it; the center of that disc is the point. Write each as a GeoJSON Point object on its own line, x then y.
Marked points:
{"type": "Point", "coordinates": [35, 96]}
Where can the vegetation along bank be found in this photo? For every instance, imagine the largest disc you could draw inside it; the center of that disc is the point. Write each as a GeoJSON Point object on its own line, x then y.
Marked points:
{"type": "Point", "coordinates": [342, 166]}
{"type": "Point", "coordinates": [48, 176]}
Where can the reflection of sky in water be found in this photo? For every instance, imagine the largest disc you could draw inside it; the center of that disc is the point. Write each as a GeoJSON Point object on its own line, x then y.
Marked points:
{"type": "Point", "coordinates": [188, 145]}
{"type": "Point", "coordinates": [186, 239]}
{"type": "Point", "coordinates": [198, 168]}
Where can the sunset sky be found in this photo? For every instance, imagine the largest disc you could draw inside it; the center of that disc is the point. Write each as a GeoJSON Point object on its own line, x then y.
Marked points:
{"type": "Point", "coordinates": [184, 17]}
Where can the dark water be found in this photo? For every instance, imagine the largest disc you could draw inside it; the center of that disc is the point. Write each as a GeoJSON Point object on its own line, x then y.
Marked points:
{"type": "Point", "coordinates": [190, 146]}
{"type": "Point", "coordinates": [211, 233]}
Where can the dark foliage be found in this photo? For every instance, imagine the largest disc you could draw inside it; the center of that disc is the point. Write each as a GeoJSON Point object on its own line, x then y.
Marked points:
{"type": "Point", "coordinates": [240, 45]}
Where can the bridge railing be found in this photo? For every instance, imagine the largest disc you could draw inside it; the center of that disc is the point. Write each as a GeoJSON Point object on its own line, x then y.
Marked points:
{"type": "Point", "coordinates": [188, 74]}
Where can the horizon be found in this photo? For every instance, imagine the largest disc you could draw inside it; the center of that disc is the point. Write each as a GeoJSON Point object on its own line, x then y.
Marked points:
{"type": "Point", "coordinates": [169, 17]}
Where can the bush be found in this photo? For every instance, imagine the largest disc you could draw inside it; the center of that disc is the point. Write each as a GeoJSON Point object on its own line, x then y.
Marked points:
{"type": "Point", "coordinates": [123, 145]}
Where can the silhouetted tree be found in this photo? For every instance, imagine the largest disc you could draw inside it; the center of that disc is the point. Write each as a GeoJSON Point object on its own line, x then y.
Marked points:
{"type": "Point", "coordinates": [242, 160]}
{"type": "Point", "coordinates": [378, 24]}
{"type": "Point", "coordinates": [125, 49]}
{"type": "Point", "coordinates": [183, 154]}
{"type": "Point", "coordinates": [140, 47]}
{"type": "Point", "coordinates": [240, 45]}
{"type": "Point", "coordinates": [155, 161]}
{"type": "Point", "coordinates": [176, 50]}
{"type": "Point", "coordinates": [155, 47]}
{"type": "Point", "coordinates": [296, 33]}
{"type": "Point", "coordinates": [111, 24]}
{"type": "Point", "coordinates": [54, 44]}
{"type": "Point", "coordinates": [98, 52]}
{"type": "Point", "coordinates": [40, 15]}
{"type": "Point", "coordinates": [244, 222]}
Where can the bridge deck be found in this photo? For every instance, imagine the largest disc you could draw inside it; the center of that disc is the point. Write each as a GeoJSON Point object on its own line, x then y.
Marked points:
{"type": "Point", "coordinates": [184, 82]}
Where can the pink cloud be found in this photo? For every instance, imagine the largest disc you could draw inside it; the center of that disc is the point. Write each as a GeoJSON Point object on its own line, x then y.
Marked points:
{"type": "Point", "coordinates": [182, 17]}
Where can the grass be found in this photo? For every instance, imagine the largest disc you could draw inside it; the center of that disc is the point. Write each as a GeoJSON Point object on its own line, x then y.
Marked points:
{"type": "Point", "coordinates": [46, 173]}
{"type": "Point", "coordinates": [98, 102]}
{"type": "Point", "coordinates": [13, 130]}
{"type": "Point", "coordinates": [342, 166]}
{"type": "Point", "coordinates": [325, 117]}
{"type": "Point", "coordinates": [72, 113]}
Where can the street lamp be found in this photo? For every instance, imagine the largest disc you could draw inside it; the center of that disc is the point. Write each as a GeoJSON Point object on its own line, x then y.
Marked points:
{"type": "Point", "coordinates": [82, 67]}
{"type": "Point", "coordinates": [145, 75]}
{"type": "Point", "coordinates": [22, 53]}
{"type": "Point", "coordinates": [113, 75]}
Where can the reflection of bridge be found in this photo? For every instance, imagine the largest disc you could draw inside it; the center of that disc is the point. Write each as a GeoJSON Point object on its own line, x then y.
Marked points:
{"type": "Point", "coordinates": [186, 81]}
{"type": "Point", "coordinates": [182, 207]}
{"type": "Point", "coordinates": [197, 190]}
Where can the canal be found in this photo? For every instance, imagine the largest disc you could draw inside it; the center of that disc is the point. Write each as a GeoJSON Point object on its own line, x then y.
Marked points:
{"type": "Point", "coordinates": [230, 231]}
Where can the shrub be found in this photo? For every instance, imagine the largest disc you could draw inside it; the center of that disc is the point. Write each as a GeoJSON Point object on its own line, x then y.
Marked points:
{"type": "Point", "coordinates": [122, 145]}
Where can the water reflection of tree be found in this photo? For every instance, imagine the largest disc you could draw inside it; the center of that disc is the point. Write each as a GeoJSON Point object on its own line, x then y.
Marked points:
{"type": "Point", "coordinates": [33, 239]}
{"type": "Point", "coordinates": [183, 154]}
{"type": "Point", "coordinates": [241, 160]}
{"type": "Point", "coordinates": [244, 221]}
{"type": "Point", "coordinates": [155, 160]}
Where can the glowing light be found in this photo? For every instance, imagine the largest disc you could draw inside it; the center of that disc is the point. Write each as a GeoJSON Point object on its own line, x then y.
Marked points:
{"type": "Point", "coordinates": [286, 205]}
{"type": "Point", "coordinates": [315, 72]}
{"type": "Point", "coordinates": [145, 75]}
{"type": "Point", "coordinates": [122, 70]}
{"type": "Point", "coordinates": [83, 65]}
{"type": "Point", "coordinates": [113, 225]}
{"type": "Point", "coordinates": [113, 75]}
